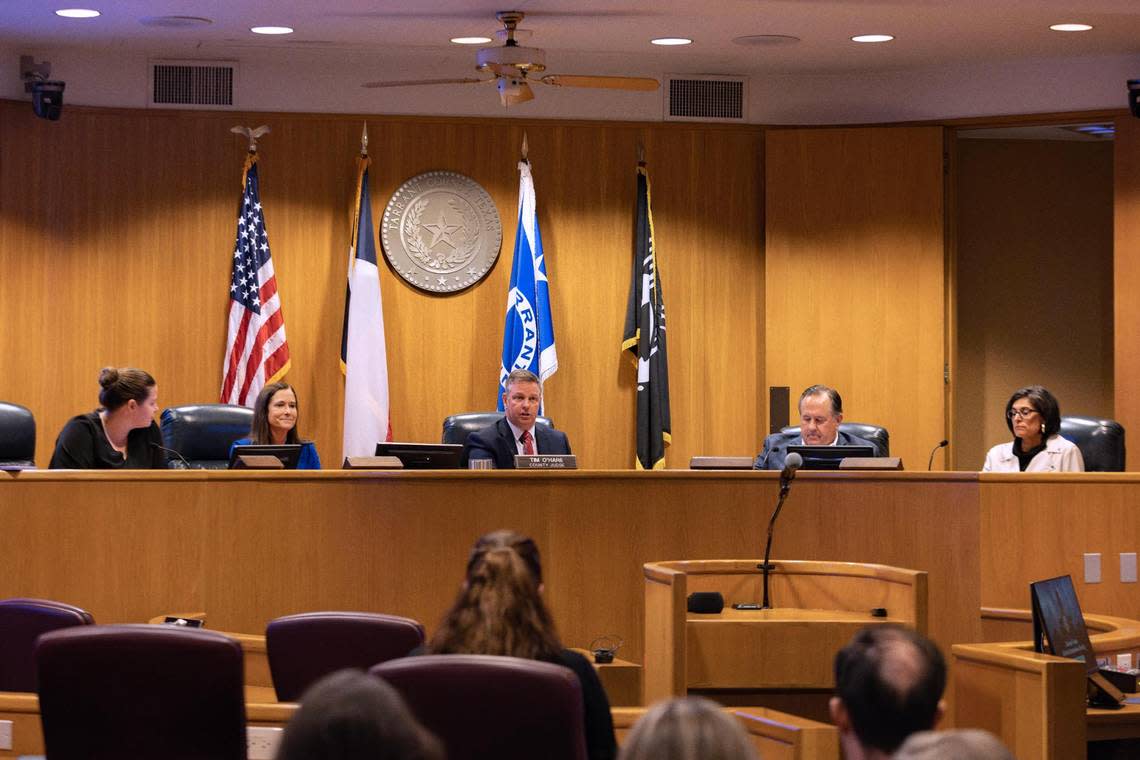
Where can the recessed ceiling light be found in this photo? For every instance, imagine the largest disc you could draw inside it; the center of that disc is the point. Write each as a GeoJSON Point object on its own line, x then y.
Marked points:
{"type": "Point", "coordinates": [78, 13]}
{"type": "Point", "coordinates": [872, 38]}
{"type": "Point", "coordinates": [672, 41]}
{"type": "Point", "coordinates": [271, 29]}
{"type": "Point", "coordinates": [1070, 27]}
{"type": "Point", "coordinates": [470, 40]}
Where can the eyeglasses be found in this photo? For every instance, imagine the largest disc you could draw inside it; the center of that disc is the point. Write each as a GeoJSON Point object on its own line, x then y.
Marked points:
{"type": "Point", "coordinates": [1021, 413]}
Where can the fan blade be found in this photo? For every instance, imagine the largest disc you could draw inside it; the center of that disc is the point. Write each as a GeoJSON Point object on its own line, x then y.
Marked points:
{"type": "Point", "coordinates": [415, 82]}
{"type": "Point", "coordinates": [642, 84]}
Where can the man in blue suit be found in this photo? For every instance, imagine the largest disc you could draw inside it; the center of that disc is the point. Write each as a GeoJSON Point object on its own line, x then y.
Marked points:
{"type": "Point", "coordinates": [821, 411]}
{"type": "Point", "coordinates": [516, 433]}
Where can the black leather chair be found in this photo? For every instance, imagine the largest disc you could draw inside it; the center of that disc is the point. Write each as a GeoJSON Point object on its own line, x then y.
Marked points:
{"type": "Point", "coordinates": [457, 427]}
{"type": "Point", "coordinates": [1101, 442]}
{"type": "Point", "coordinates": [17, 436]}
{"type": "Point", "coordinates": [304, 648]}
{"type": "Point", "coordinates": [22, 622]}
{"type": "Point", "coordinates": [878, 436]}
{"type": "Point", "coordinates": [484, 706]}
{"type": "Point", "coordinates": [203, 433]}
{"type": "Point", "coordinates": [136, 691]}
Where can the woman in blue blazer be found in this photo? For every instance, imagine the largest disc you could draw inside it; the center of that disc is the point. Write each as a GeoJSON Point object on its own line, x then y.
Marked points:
{"type": "Point", "coordinates": [275, 417]}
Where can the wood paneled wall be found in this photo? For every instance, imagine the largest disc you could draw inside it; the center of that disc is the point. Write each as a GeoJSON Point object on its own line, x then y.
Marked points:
{"type": "Point", "coordinates": [1034, 281]}
{"type": "Point", "coordinates": [116, 228]}
{"type": "Point", "coordinates": [854, 280]}
{"type": "Point", "coordinates": [1126, 276]}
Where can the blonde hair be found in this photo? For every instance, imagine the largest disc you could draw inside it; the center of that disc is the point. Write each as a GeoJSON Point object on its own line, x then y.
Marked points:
{"type": "Point", "coordinates": [687, 728]}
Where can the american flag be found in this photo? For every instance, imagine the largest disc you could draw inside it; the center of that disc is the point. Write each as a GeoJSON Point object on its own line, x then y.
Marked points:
{"type": "Point", "coordinates": [256, 350]}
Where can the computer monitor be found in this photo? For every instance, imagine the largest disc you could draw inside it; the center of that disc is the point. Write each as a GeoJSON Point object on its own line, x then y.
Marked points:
{"type": "Point", "coordinates": [422, 456]}
{"type": "Point", "coordinates": [288, 453]}
{"type": "Point", "coordinates": [1059, 629]}
{"type": "Point", "coordinates": [1058, 625]}
{"type": "Point", "coordinates": [829, 457]}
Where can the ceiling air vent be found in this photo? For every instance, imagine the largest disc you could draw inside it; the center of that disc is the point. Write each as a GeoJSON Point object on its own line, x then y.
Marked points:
{"type": "Point", "coordinates": [192, 84]}
{"type": "Point", "coordinates": [689, 98]}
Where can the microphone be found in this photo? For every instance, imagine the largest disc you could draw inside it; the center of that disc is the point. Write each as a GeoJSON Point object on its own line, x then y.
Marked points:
{"type": "Point", "coordinates": [935, 451]}
{"type": "Point", "coordinates": [792, 463]}
{"type": "Point", "coordinates": [176, 453]}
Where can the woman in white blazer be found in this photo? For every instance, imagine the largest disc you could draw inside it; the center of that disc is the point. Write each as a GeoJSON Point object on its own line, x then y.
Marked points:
{"type": "Point", "coordinates": [1034, 418]}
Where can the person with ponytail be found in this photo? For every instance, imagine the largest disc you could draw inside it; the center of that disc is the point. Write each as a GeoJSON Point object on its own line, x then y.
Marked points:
{"type": "Point", "coordinates": [499, 610]}
{"type": "Point", "coordinates": [121, 433]}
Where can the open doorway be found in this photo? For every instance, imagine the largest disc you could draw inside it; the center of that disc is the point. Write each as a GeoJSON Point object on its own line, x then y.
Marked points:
{"type": "Point", "coordinates": [1034, 274]}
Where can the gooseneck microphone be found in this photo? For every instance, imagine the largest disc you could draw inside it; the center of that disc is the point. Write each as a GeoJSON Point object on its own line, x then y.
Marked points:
{"type": "Point", "coordinates": [175, 452]}
{"type": "Point", "coordinates": [935, 451]}
{"type": "Point", "coordinates": [793, 462]}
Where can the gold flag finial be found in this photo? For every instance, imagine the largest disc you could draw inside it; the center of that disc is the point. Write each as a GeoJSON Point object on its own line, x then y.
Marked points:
{"type": "Point", "coordinates": [525, 147]}
{"type": "Point", "coordinates": [364, 140]}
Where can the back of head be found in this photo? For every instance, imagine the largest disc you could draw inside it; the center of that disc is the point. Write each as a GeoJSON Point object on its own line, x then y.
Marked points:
{"type": "Point", "coordinates": [119, 385]}
{"type": "Point", "coordinates": [500, 610]}
{"type": "Point", "coordinates": [351, 715]}
{"type": "Point", "coordinates": [687, 728]}
{"type": "Point", "coordinates": [890, 681]}
{"type": "Point", "coordinates": [961, 744]}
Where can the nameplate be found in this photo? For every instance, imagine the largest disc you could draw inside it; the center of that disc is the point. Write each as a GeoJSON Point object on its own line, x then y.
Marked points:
{"type": "Point", "coordinates": [372, 463]}
{"type": "Point", "coordinates": [871, 463]}
{"type": "Point", "coordinates": [257, 462]}
{"type": "Point", "coordinates": [546, 462]}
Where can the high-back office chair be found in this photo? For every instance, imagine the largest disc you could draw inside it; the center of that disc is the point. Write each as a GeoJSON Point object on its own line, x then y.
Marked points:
{"type": "Point", "coordinates": [1101, 442]}
{"type": "Point", "coordinates": [203, 433]}
{"type": "Point", "coordinates": [121, 691]}
{"type": "Point", "coordinates": [457, 427]}
{"type": "Point", "coordinates": [22, 621]}
{"type": "Point", "coordinates": [17, 435]}
{"type": "Point", "coordinates": [304, 648]}
{"type": "Point", "coordinates": [484, 706]}
{"type": "Point", "coordinates": [878, 436]}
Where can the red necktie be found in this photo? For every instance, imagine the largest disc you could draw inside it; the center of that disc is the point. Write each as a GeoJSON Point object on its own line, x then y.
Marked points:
{"type": "Point", "coordinates": [527, 442]}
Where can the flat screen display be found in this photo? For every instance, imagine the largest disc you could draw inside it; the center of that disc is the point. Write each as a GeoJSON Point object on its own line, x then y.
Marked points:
{"type": "Point", "coordinates": [288, 453]}
{"type": "Point", "coordinates": [829, 457]}
{"type": "Point", "coordinates": [422, 456]}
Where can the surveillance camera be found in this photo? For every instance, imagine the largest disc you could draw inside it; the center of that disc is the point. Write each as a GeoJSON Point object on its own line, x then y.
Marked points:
{"type": "Point", "coordinates": [47, 98]}
{"type": "Point", "coordinates": [1134, 96]}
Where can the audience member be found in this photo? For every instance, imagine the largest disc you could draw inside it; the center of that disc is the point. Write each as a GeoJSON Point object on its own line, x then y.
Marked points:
{"type": "Point", "coordinates": [888, 682]}
{"type": "Point", "coordinates": [350, 715]}
{"type": "Point", "coordinates": [687, 728]}
{"type": "Point", "coordinates": [961, 744]}
{"type": "Point", "coordinates": [500, 611]}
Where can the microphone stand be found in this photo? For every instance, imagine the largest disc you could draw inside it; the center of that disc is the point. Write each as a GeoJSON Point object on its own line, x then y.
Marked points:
{"type": "Point", "coordinates": [785, 487]}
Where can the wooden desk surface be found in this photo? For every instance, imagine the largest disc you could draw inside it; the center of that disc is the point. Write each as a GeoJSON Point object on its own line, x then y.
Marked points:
{"type": "Point", "coordinates": [250, 546]}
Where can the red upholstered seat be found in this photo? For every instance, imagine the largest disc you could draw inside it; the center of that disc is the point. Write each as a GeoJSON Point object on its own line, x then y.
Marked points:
{"type": "Point", "coordinates": [139, 691]}
{"type": "Point", "coordinates": [484, 706]}
{"type": "Point", "coordinates": [304, 648]}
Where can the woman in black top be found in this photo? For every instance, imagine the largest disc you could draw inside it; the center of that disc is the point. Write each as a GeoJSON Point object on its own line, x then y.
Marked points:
{"type": "Point", "coordinates": [121, 434]}
{"type": "Point", "coordinates": [500, 611]}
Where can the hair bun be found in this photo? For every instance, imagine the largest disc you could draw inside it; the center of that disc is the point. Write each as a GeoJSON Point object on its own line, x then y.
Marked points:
{"type": "Point", "coordinates": [108, 376]}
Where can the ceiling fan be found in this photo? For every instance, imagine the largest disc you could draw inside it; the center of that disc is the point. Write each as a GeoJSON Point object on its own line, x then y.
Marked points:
{"type": "Point", "coordinates": [515, 67]}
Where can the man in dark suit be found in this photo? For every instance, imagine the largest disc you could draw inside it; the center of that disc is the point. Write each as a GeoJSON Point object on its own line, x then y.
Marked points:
{"type": "Point", "coordinates": [821, 411]}
{"type": "Point", "coordinates": [516, 433]}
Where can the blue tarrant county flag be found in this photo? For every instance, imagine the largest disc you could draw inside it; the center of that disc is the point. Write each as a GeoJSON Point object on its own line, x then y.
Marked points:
{"type": "Point", "coordinates": [528, 334]}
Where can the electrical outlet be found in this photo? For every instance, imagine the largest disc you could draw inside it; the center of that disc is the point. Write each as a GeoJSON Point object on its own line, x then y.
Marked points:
{"type": "Point", "coordinates": [261, 742]}
{"type": "Point", "coordinates": [1092, 567]}
{"type": "Point", "coordinates": [5, 734]}
{"type": "Point", "coordinates": [1128, 567]}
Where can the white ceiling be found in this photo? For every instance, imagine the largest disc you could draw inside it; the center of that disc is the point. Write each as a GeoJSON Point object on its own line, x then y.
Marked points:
{"type": "Point", "coordinates": [364, 40]}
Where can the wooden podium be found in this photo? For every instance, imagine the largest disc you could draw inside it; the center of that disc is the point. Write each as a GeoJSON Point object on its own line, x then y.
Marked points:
{"type": "Point", "coordinates": [1035, 703]}
{"type": "Point", "coordinates": [818, 606]}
